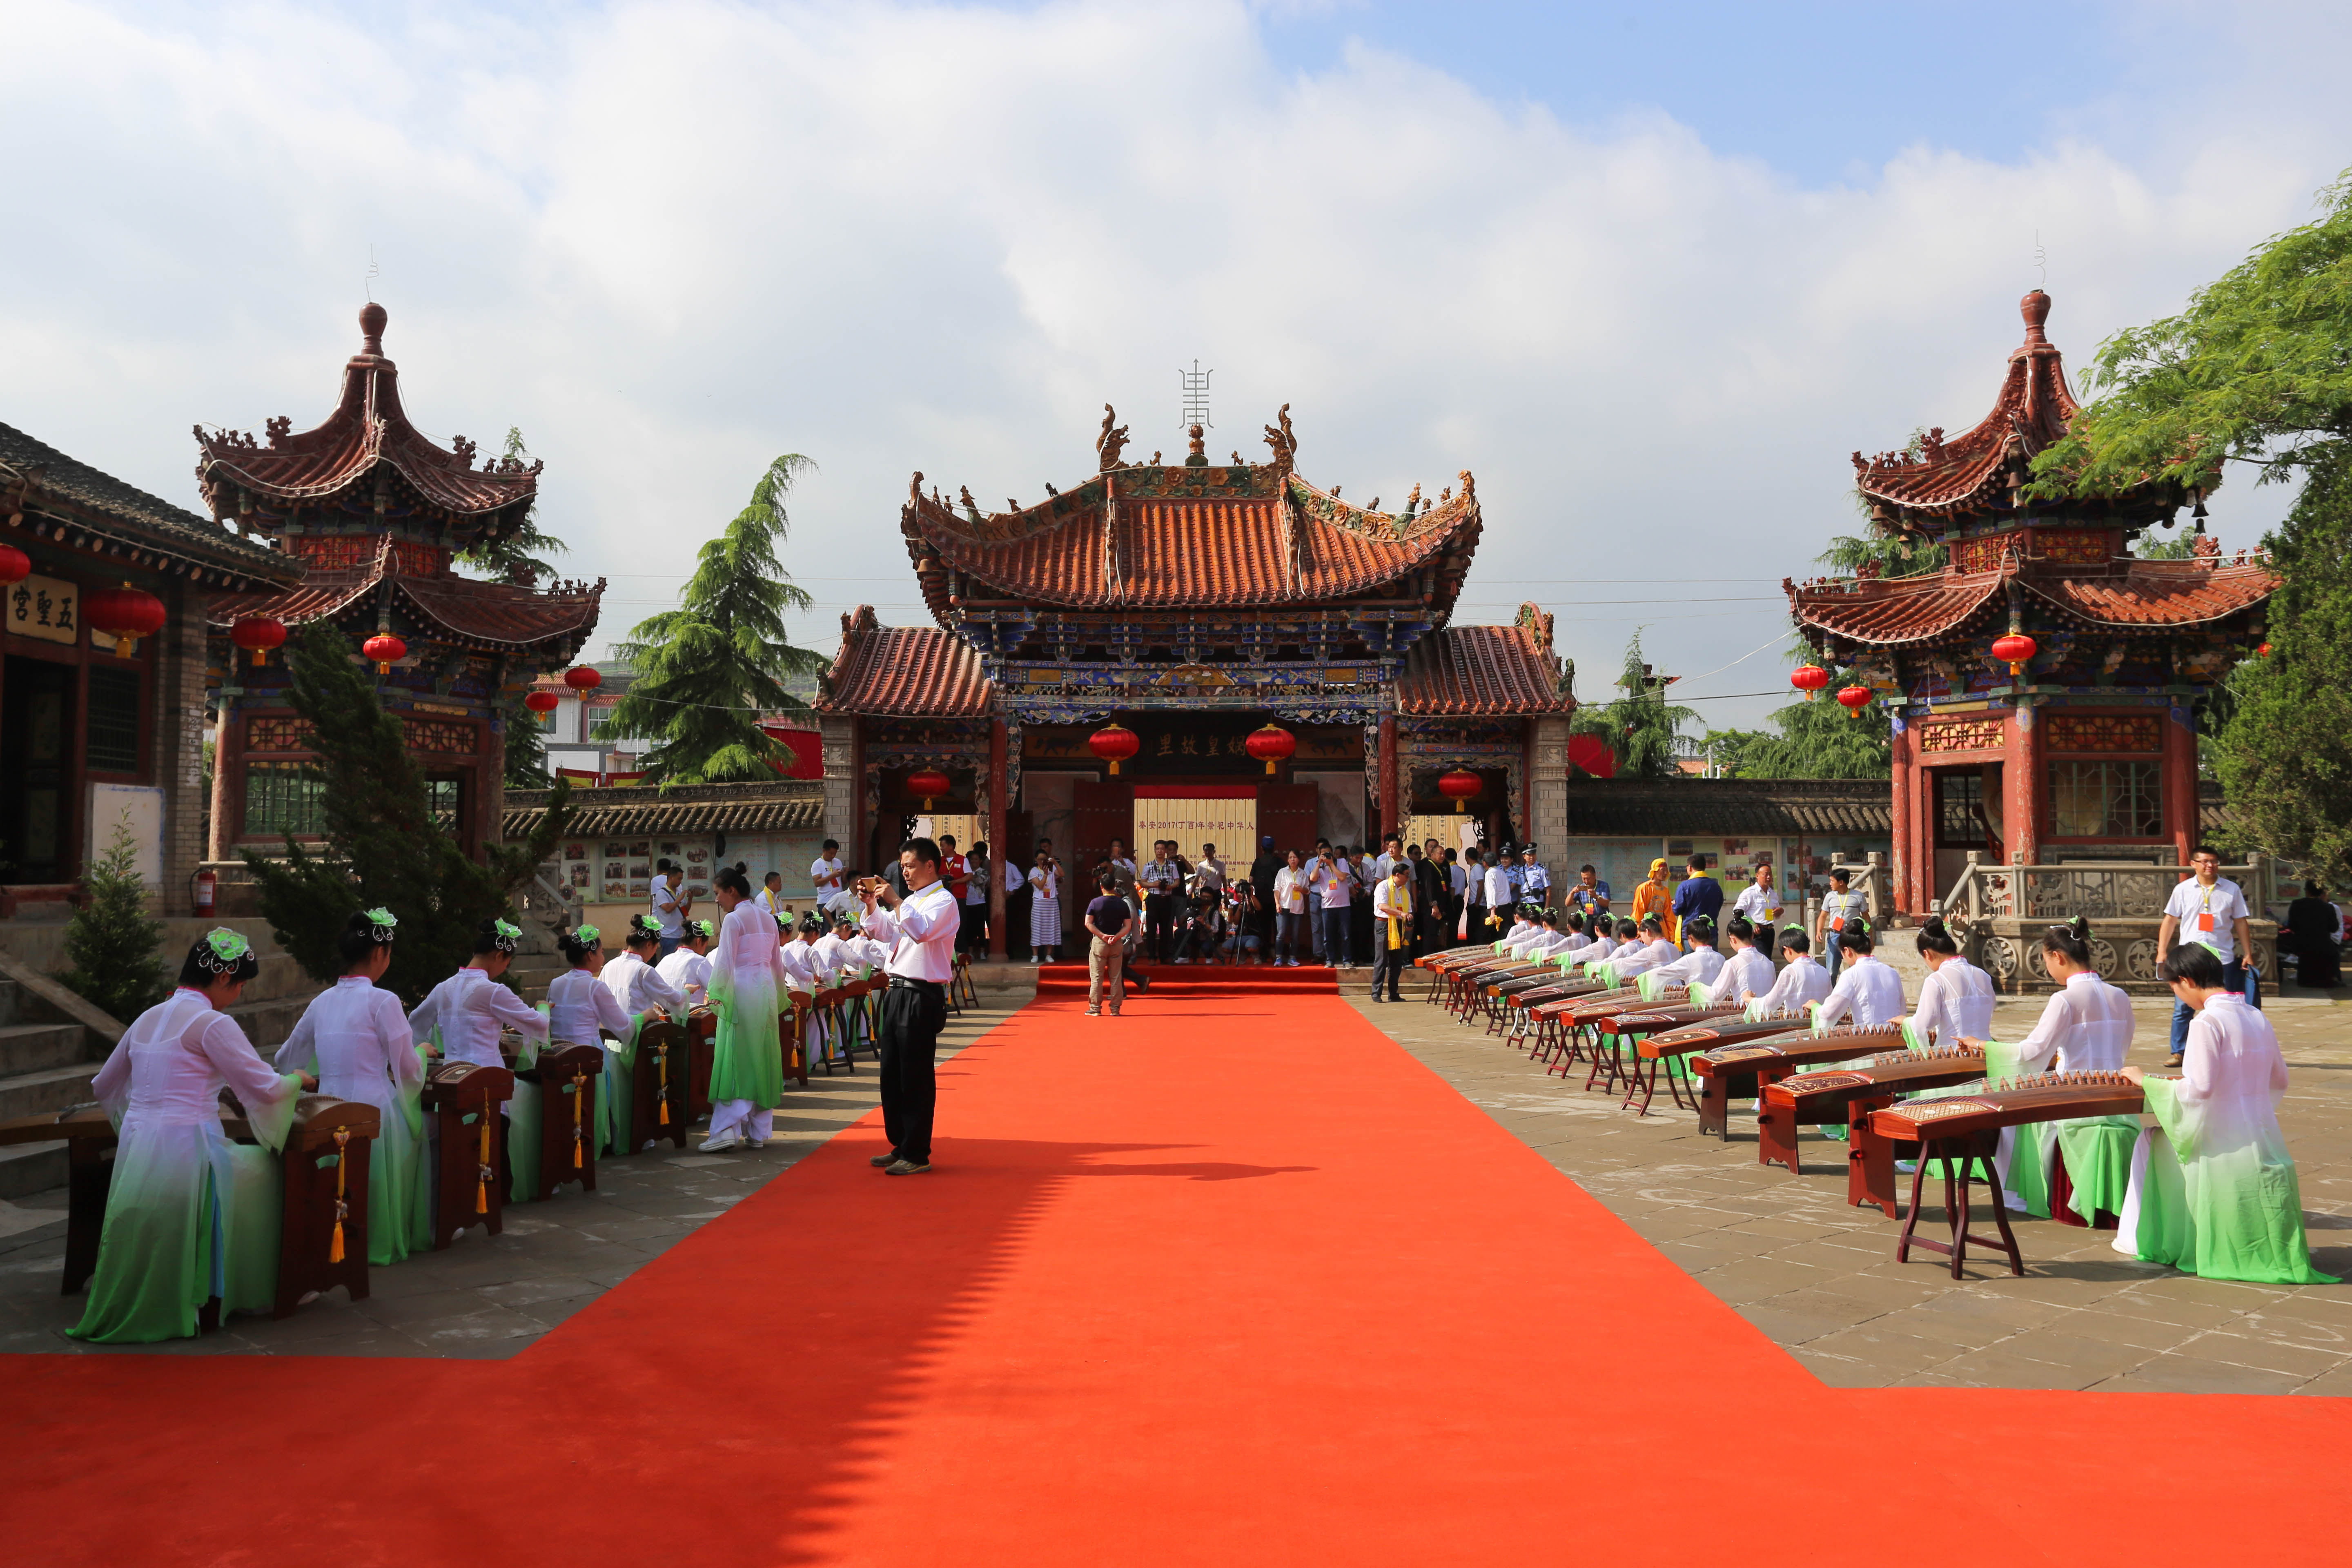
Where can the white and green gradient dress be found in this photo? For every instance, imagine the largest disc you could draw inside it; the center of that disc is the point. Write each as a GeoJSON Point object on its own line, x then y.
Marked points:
{"type": "Point", "coordinates": [747, 981]}
{"type": "Point", "coordinates": [190, 1216]}
{"type": "Point", "coordinates": [466, 1012]}
{"type": "Point", "coordinates": [355, 1035]}
{"type": "Point", "coordinates": [2213, 1191]}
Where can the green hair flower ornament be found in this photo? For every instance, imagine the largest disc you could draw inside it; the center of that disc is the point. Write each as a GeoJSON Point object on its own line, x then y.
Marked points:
{"type": "Point", "coordinates": [587, 936]}
{"type": "Point", "coordinates": [386, 923]}
{"type": "Point", "coordinates": [223, 950]}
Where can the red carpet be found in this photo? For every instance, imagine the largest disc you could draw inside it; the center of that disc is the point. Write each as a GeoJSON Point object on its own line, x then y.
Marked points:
{"type": "Point", "coordinates": [1225, 1281]}
{"type": "Point", "coordinates": [1193, 980]}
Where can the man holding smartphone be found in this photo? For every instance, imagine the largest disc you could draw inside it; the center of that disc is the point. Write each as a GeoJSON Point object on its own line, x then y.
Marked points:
{"type": "Point", "coordinates": [921, 929]}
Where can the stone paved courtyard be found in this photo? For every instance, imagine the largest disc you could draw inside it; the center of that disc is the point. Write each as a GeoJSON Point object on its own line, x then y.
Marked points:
{"type": "Point", "coordinates": [1820, 1278]}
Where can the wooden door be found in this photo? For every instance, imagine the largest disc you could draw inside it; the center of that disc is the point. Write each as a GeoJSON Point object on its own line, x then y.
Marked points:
{"type": "Point", "coordinates": [1102, 812]}
{"type": "Point", "coordinates": [1288, 813]}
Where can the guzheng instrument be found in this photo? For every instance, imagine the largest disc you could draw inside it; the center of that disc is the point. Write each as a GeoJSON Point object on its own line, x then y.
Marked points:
{"type": "Point", "coordinates": [1558, 1021]}
{"type": "Point", "coordinates": [323, 1240]}
{"type": "Point", "coordinates": [568, 1076]}
{"type": "Point", "coordinates": [661, 1085]}
{"type": "Point", "coordinates": [1962, 1131]}
{"type": "Point", "coordinates": [1846, 1095]}
{"type": "Point", "coordinates": [1664, 1049]}
{"type": "Point", "coordinates": [791, 1032]}
{"type": "Point", "coordinates": [470, 1188]}
{"type": "Point", "coordinates": [1622, 1030]}
{"type": "Point", "coordinates": [1738, 1071]}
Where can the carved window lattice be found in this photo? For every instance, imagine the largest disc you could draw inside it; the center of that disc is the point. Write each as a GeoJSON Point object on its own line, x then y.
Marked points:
{"type": "Point", "coordinates": [2105, 732]}
{"type": "Point", "coordinates": [438, 736]}
{"type": "Point", "coordinates": [1962, 735]}
{"type": "Point", "coordinates": [2073, 546]}
{"type": "Point", "coordinates": [1980, 554]}
{"type": "Point", "coordinates": [340, 552]}
{"type": "Point", "coordinates": [278, 732]}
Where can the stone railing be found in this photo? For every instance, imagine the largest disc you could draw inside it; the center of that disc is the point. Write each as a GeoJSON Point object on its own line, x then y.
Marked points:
{"type": "Point", "coordinates": [1997, 912]}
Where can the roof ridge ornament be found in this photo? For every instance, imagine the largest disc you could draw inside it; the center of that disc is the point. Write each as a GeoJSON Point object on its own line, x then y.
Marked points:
{"type": "Point", "coordinates": [1284, 442]}
{"type": "Point", "coordinates": [1110, 443]}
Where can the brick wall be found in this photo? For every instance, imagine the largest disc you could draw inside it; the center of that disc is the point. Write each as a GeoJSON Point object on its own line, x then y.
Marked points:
{"type": "Point", "coordinates": [179, 750]}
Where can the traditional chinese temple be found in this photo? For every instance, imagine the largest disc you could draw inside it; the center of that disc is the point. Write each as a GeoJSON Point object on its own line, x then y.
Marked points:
{"type": "Point", "coordinates": [1125, 659]}
{"type": "Point", "coordinates": [2044, 683]}
{"type": "Point", "coordinates": [376, 509]}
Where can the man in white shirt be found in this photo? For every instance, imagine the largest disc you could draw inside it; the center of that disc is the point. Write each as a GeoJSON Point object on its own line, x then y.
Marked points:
{"type": "Point", "coordinates": [1501, 896]}
{"type": "Point", "coordinates": [2211, 910]}
{"type": "Point", "coordinates": [971, 935]}
{"type": "Point", "coordinates": [826, 870]}
{"type": "Point", "coordinates": [1209, 872]}
{"type": "Point", "coordinates": [1760, 902]}
{"type": "Point", "coordinates": [1334, 889]}
{"type": "Point", "coordinates": [1392, 851]}
{"type": "Point", "coordinates": [921, 930]}
{"type": "Point", "coordinates": [1391, 930]}
{"type": "Point", "coordinates": [669, 906]}
{"type": "Point", "coordinates": [771, 896]}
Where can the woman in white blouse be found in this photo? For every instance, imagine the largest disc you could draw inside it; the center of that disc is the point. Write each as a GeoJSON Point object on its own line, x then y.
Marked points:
{"type": "Point", "coordinates": [1700, 966]}
{"type": "Point", "coordinates": [1956, 999]}
{"type": "Point", "coordinates": [355, 1034]}
{"type": "Point", "coordinates": [1747, 973]}
{"type": "Point", "coordinates": [1868, 990]}
{"type": "Point", "coordinates": [1044, 910]}
{"type": "Point", "coordinates": [1802, 980]}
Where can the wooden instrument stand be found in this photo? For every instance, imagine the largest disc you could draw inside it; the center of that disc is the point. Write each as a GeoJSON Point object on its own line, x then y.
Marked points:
{"type": "Point", "coordinates": [567, 1077]}
{"type": "Point", "coordinates": [325, 1239]}
{"type": "Point", "coordinates": [702, 1028]}
{"type": "Point", "coordinates": [464, 1101]}
{"type": "Point", "coordinates": [662, 1085]}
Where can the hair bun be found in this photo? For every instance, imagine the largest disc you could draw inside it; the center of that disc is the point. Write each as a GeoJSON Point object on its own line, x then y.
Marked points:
{"type": "Point", "coordinates": [1935, 926]}
{"type": "Point", "coordinates": [2081, 926]}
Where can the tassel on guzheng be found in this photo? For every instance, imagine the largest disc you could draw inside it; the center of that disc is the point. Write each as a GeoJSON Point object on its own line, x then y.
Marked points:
{"type": "Point", "coordinates": [342, 1166]}
{"type": "Point", "coordinates": [664, 1059]}
{"type": "Point", "coordinates": [576, 1097]}
{"type": "Point", "coordinates": [482, 1172]}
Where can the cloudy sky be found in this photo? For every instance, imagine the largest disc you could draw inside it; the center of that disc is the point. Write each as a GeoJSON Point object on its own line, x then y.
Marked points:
{"type": "Point", "coordinates": [1651, 271]}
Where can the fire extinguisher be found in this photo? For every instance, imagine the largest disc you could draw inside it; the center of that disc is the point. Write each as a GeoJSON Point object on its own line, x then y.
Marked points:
{"type": "Point", "coordinates": [204, 884]}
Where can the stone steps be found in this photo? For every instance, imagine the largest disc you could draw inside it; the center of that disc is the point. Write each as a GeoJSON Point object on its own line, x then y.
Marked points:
{"type": "Point", "coordinates": [35, 1047]}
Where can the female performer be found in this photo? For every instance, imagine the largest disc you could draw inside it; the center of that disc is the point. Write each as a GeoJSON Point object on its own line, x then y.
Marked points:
{"type": "Point", "coordinates": [2220, 1199]}
{"type": "Point", "coordinates": [581, 1011]}
{"type": "Point", "coordinates": [1868, 988]}
{"type": "Point", "coordinates": [1802, 981]}
{"type": "Point", "coordinates": [1045, 909]}
{"type": "Point", "coordinates": [638, 986]}
{"type": "Point", "coordinates": [463, 1015]}
{"type": "Point", "coordinates": [1955, 1000]}
{"type": "Point", "coordinates": [689, 969]}
{"type": "Point", "coordinates": [1747, 973]}
{"type": "Point", "coordinates": [1653, 951]}
{"type": "Point", "coordinates": [1698, 967]}
{"type": "Point", "coordinates": [356, 1036]}
{"type": "Point", "coordinates": [747, 977]}
{"type": "Point", "coordinates": [2085, 1027]}
{"type": "Point", "coordinates": [190, 1217]}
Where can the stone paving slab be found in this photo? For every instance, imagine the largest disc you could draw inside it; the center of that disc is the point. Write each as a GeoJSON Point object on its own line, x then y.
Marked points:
{"type": "Point", "coordinates": [1820, 1278]}
{"type": "Point", "coordinates": [484, 1298]}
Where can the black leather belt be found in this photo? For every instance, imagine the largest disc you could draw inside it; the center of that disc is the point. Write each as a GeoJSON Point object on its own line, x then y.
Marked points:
{"type": "Point", "coordinates": [909, 981]}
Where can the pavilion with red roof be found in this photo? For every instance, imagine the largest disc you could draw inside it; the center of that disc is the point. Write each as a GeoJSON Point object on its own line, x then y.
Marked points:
{"type": "Point", "coordinates": [2088, 751]}
{"type": "Point", "coordinates": [1185, 607]}
{"type": "Point", "coordinates": [376, 509]}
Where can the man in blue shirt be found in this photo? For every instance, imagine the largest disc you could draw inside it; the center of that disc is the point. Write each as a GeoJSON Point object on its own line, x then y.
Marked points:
{"type": "Point", "coordinates": [1699, 894]}
{"type": "Point", "coordinates": [1590, 894]}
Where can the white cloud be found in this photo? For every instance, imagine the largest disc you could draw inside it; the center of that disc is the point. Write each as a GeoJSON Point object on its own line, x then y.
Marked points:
{"type": "Point", "coordinates": [670, 241]}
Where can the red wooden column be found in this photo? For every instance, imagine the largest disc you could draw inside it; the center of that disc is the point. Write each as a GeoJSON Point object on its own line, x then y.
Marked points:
{"type": "Point", "coordinates": [2021, 786]}
{"type": "Point", "coordinates": [1908, 896]}
{"type": "Point", "coordinates": [999, 772]}
{"type": "Point", "coordinates": [1390, 821]}
{"type": "Point", "coordinates": [2183, 812]}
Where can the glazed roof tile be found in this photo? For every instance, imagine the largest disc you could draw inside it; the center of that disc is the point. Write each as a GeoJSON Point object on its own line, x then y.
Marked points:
{"type": "Point", "coordinates": [1170, 537]}
{"type": "Point", "coordinates": [108, 505]}
{"type": "Point", "coordinates": [1460, 670]}
{"type": "Point", "coordinates": [2161, 593]}
{"type": "Point", "coordinates": [367, 427]}
{"type": "Point", "coordinates": [621, 813]}
{"type": "Point", "coordinates": [493, 617]}
{"type": "Point", "coordinates": [1889, 613]}
{"type": "Point", "coordinates": [904, 670]}
{"type": "Point", "coordinates": [2137, 594]}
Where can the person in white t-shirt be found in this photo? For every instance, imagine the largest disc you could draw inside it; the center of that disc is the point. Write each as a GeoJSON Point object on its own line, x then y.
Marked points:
{"type": "Point", "coordinates": [1290, 885]}
{"type": "Point", "coordinates": [670, 906]}
{"type": "Point", "coordinates": [1335, 886]}
{"type": "Point", "coordinates": [1759, 900]}
{"type": "Point", "coordinates": [771, 896]}
{"type": "Point", "coordinates": [2211, 910]}
{"type": "Point", "coordinates": [826, 870]}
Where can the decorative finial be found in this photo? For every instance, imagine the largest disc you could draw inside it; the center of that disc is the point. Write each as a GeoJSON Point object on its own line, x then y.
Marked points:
{"type": "Point", "coordinates": [1110, 443]}
{"type": "Point", "coordinates": [2035, 309]}
{"type": "Point", "coordinates": [1197, 457]}
{"type": "Point", "coordinates": [371, 321]}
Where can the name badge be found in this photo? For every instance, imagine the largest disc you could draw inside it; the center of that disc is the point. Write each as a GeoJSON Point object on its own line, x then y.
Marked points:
{"type": "Point", "coordinates": [2205, 921]}
{"type": "Point", "coordinates": [1837, 922]}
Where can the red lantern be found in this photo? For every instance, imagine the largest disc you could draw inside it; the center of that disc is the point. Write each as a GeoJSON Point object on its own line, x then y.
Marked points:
{"type": "Point", "coordinates": [1270, 743]}
{"type": "Point", "coordinates": [386, 649]}
{"type": "Point", "coordinates": [582, 678]}
{"type": "Point", "coordinates": [125, 614]}
{"type": "Point", "coordinates": [1114, 744]}
{"type": "Point", "coordinates": [14, 565]}
{"type": "Point", "coordinates": [1592, 753]}
{"type": "Point", "coordinates": [2014, 649]}
{"type": "Point", "coordinates": [930, 784]}
{"type": "Point", "coordinates": [2264, 650]}
{"type": "Point", "coordinates": [1809, 679]}
{"type": "Point", "coordinates": [257, 635]}
{"type": "Point", "coordinates": [541, 701]}
{"type": "Point", "coordinates": [1854, 699]}
{"type": "Point", "coordinates": [1461, 788]}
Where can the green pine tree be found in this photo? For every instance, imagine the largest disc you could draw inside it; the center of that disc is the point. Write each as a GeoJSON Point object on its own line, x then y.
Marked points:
{"type": "Point", "coordinates": [1641, 726]}
{"type": "Point", "coordinates": [516, 552]}
{"type": "Point", "coordinates": [116, 949]}
{"type": "Point", "coordinates": [383, 846]}
{"type": "Point", "coordinates": [706, 670]}
{"type": "Point", "coordinates": [1816, 740]}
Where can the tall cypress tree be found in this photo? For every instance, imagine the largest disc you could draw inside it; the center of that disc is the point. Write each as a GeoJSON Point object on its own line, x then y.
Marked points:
{"type": "Point", "coordinates": [383, 846]}
{"type": "Point", "coordinates": [1641, 726]}
{"type": "Point", "coordinates": [708, 669]}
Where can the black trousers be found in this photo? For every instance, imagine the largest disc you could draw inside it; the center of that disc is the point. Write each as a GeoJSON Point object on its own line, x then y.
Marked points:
{"type": "Point", "coordinates": [913, 1017]}
{"type": "Point", "coordinates": [1163, 916]}
{"type": "Point", "coordinates": [1388, 962]}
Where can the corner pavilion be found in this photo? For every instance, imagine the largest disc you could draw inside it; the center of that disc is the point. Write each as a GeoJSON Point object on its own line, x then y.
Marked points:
{"type": "Point", "coordinates": [1193, 605]}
